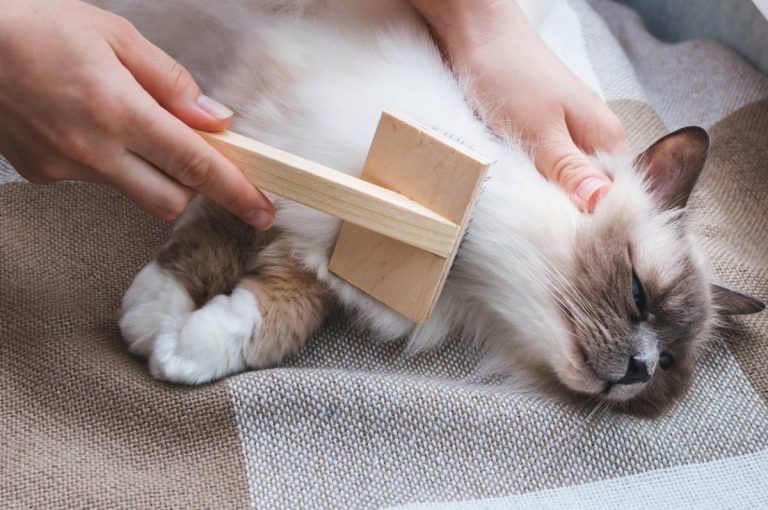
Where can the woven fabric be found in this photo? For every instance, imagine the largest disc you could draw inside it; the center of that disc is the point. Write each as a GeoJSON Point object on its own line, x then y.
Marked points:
{"type": "Point", "coordinates": [350, 422]}
{"type": "Point", "coordinates": [343, 438]}
{"type": "Point", "coordinates": [707, 486]}
{"type": "Point", "coordinates": [83, 425]}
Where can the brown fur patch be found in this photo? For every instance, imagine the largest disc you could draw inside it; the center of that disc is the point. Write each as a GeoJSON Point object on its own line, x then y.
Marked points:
{"type": "Point", "coordinates": [292, 301]}
{"type": "Point", "coordinates": [210, 249]}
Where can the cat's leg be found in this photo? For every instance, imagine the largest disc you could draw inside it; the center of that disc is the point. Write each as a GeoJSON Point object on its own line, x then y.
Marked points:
{"type": "Point", "coordinates": [208, 343]}
{"type": "Point", "coordinates": [292, 304]}
{"type": "Point", "coordinates": [256, 304]}
{"type": "Point", "coordinates": [154, 304]}
{"type": "Point", "coordinates": [179, 311]}
{"type": "Point", "coordinates": [271, 312]}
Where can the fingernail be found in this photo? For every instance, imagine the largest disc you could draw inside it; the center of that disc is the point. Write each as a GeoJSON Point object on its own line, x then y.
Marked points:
{"type": "Point", "coordinates": [591, 190]}
{"type": "Point", "coordinates": [259, 218]}
{"type": "Point", "coordinates": [214, 108]}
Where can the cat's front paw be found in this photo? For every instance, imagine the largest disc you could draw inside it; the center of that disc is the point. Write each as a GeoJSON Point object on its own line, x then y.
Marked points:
{"type": "Point", "coordinates": [158, 322]}
{"type": "Point", "coordinates": [209, 343]}
{"type": "Point", "coordinates": [154, 303]}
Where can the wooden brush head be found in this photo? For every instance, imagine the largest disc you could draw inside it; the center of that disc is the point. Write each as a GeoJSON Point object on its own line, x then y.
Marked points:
{"type": "Point", "coordinates": [436, 173]}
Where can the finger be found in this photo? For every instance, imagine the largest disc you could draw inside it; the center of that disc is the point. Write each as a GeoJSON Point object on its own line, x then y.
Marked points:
{"type": "Point", "coordinates": [168, 82]}
{"type": "Point", "coordinates": [596, 128]}
{"type": "Point", "coordinates": [148, 187]}
{"type": "Point", "coordinates": [560, 161]}
{"type": "Point", "coordinates": [173, 147]}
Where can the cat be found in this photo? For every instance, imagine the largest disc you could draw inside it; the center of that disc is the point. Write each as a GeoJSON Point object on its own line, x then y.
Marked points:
{"type": "Point", "coordinates": [616, 305]}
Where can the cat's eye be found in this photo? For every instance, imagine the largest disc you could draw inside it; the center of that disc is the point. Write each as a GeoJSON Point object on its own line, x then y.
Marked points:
{"type": "Point", "coordinates": [638, 294]}
{"type": "Point", "coordinates": [665, 360]}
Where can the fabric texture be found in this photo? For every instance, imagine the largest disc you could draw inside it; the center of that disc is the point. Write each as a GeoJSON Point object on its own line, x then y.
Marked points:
{"type": "Point", "coordinates": [687, 487]}
{"type": "Point", "coordinates": [737, 23]}
{"type": "Point", "coordinates": [83, 425]}
{"type": "Point", "coordinates": [350, 422]}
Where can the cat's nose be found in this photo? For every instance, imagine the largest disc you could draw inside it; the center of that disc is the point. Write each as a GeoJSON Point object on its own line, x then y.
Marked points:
{"type": "Point", "coordinates": [637, 372]}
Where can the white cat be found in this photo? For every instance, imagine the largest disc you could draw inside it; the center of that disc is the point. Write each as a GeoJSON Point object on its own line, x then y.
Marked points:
{"type": "Point", "coordinates": [616, 304]}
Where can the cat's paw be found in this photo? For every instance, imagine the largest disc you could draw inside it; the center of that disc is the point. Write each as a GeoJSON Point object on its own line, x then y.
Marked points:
{"type": "Point", "coordinates": [153, 304]}
{"type": "Point", "coordinates": [209, 343]}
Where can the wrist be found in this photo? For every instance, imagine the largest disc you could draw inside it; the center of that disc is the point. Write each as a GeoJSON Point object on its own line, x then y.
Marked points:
{"type": "Point", "coordinates": [462, 26]}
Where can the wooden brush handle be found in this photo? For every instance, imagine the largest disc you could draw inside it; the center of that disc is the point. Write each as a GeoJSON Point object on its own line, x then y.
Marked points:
{"type": "Point", "coordinates": [330, 191]}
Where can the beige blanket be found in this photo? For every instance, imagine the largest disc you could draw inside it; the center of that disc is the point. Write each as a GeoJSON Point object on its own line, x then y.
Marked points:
{"type": "Point", "coordinates": [352, 423]}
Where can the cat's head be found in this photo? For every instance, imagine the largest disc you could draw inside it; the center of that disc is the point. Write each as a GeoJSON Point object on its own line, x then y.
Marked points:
{"type": "Point", "coordinates": [637, 302]}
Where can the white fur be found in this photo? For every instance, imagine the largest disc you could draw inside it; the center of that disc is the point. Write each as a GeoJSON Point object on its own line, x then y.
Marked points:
{"type": "Point", "coordinates": [152, 304]}
{"type": "Point", "coordinates": [208, 343]}
{"type": "Point", "coordinates": [185, 346]}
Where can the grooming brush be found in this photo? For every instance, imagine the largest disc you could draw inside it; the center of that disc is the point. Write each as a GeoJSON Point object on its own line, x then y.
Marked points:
{"type": "Point", "coordinates": [403, 218]}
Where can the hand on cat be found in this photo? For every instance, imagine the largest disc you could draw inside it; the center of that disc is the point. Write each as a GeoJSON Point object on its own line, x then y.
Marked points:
{"type": "Point", "coordinates": [83, 96]}
{"type": "Point", "coordinates": [524, 89]}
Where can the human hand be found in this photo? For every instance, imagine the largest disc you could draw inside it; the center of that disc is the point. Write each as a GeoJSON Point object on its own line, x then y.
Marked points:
{"type": "Point", "coordinates": [83, 96]}
{"type": "Point", "coordinates": [522, 88]}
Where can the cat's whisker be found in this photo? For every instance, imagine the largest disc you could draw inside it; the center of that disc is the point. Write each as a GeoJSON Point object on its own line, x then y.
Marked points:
{"type": "Point", "coordinates": [566, 285]}
{"type": "Point", "coordinates": [555, 292]}
{"type": "Point", "coordinates": [558, 287]}
{"type": "Point", "coordinates": [567, 295]}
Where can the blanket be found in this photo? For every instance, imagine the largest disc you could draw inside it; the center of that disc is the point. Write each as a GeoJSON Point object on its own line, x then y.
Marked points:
{"type": "Point", "coordinates": [350, 422]}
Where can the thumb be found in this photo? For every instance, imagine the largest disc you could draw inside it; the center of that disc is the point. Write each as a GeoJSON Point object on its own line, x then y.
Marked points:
{"type": "Point", "coordinates": [168, 82]}
{"type": "Point", "coordinates": [561, 161]}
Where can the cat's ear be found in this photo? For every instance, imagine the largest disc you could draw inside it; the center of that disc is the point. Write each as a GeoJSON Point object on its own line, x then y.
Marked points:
{"type": "Point", "coordinates": [733, 302]}
{"type": "Point", "coordinates": [673, 164]}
